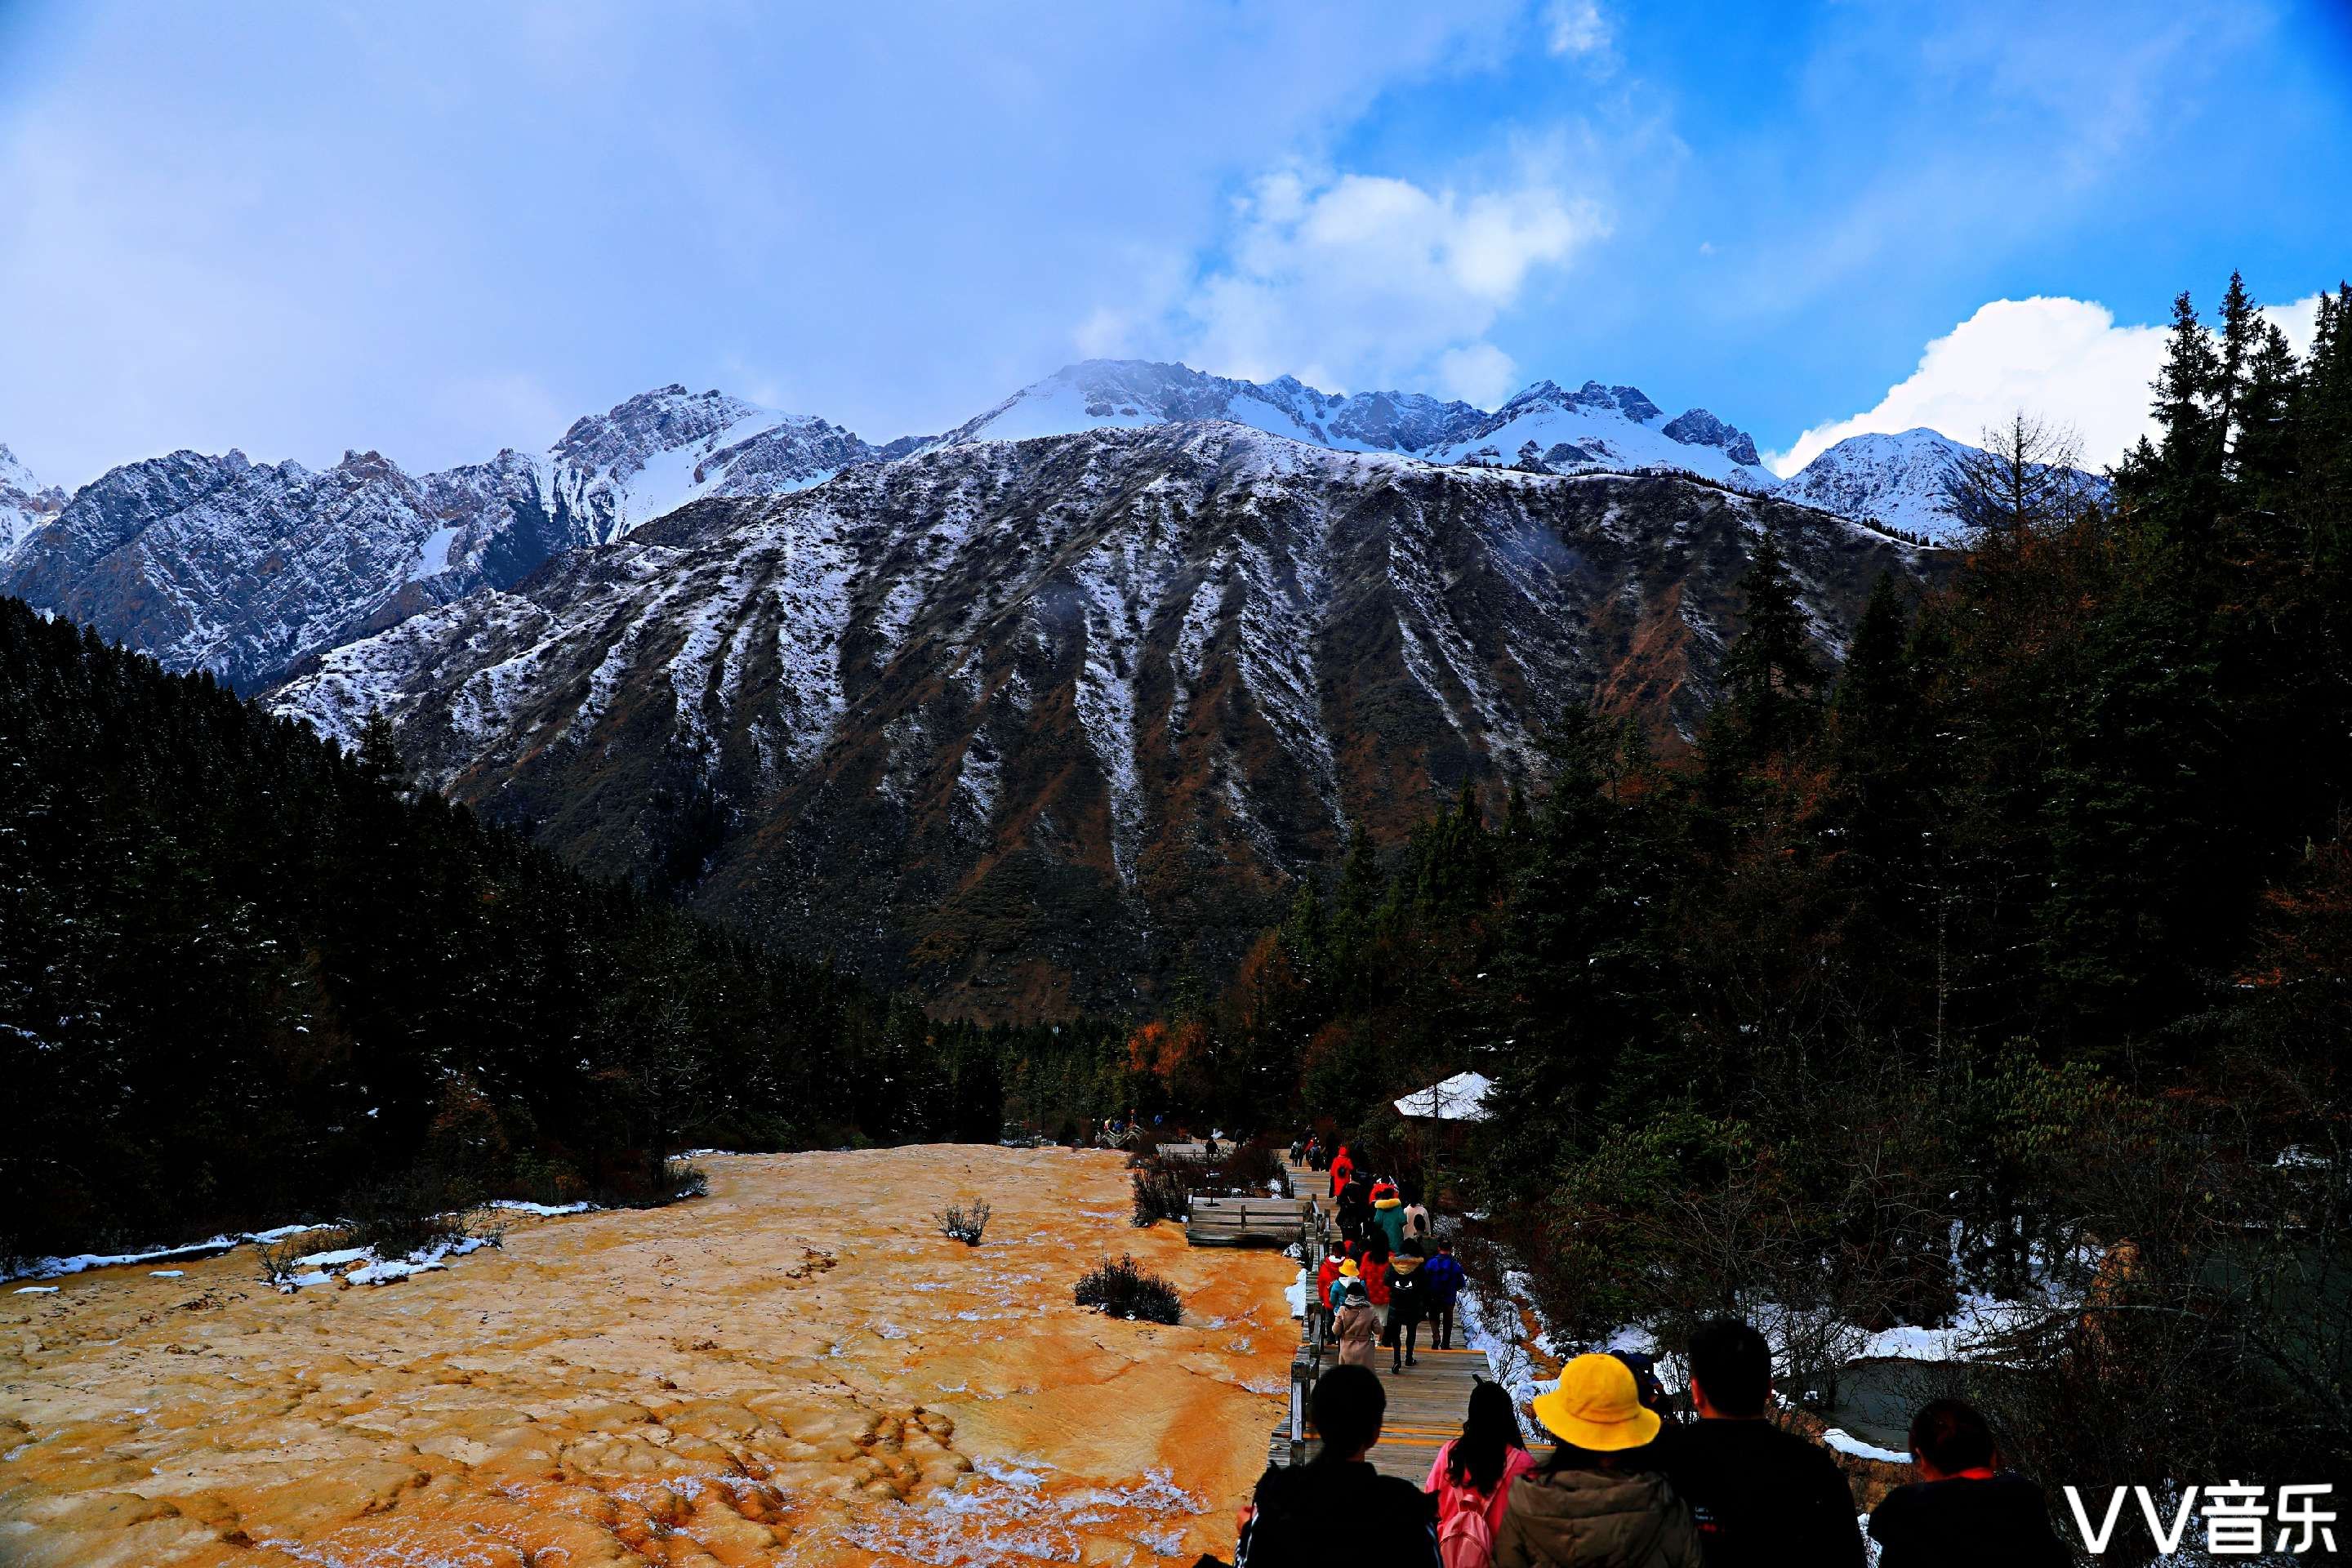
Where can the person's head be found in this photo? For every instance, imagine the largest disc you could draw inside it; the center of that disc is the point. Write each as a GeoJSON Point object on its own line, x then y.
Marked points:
{"type": "Point", "coordinates": [1447, 1247]}
{"type": "Point", "coordinates": [1645, 1379]}
{"type": "Point", "coordinates": [1348, 1405]}
{"type": "Point", "coordinates": [1949, 1437]}
{"type": "Point", "coordinates": [1379, 1252]}
{"type": "Point", "coordinates": [1490, 1431]}
{"type": "Point", "coordinates": [1730, 1370]}
{"type": "Point", "coordinates": [1357, 1294]}
{"type": "Point", "coordinates": [1349, 1268]}
{"type": "Point", "coordinates": [1596, 1412]}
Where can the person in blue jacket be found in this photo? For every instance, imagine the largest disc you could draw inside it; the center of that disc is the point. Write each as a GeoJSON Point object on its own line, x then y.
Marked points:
{"type": "Point", "coordinates": [1441, 1279]}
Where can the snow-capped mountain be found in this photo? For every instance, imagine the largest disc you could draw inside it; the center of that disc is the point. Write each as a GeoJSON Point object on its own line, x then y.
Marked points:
{"type": "Point", "coordinates": [662, 449]}
{"type": "Point", "coordinates": [1895, 480]}
{"type": "Point", "coordinates": [25, 504]}
{"type": "Point", "coordinates": [1132, 394]}
{"type": "Point", "coordinates": [1048, 715]}
{"type": "Point", "coordinates": [1543, 429]}
{"type": "Point", "coordinates": [248, 568]}
{"type": "Point", "coordinates": [1556, 431]}
{"type": "Point", "coordinates": [244, 568]}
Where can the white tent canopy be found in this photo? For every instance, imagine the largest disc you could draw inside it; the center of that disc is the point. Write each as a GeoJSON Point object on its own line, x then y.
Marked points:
{"type": "Point", "coordinates": [1462, 1097]}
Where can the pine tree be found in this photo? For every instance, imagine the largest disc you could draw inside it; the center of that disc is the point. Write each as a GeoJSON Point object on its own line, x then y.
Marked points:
{"type": "Point", "coordinates": [1771, 679]}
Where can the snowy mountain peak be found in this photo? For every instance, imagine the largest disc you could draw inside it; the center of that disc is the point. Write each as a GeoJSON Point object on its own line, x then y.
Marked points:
{"type": "Point", "coordinates": [25, 503]}
{"type": "Point", "coordinates": [653, 453]}
{"type": "Point", "coordinates": [1897, 479]}
{"type": "Point", "coordinates": [1697, 428]}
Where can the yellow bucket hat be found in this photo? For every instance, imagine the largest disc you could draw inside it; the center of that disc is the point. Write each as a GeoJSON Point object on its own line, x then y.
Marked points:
{"type": "Point", "coordinates": [1597, 1406]}
{"type": "Point", "coordinates": [1349, 1268]}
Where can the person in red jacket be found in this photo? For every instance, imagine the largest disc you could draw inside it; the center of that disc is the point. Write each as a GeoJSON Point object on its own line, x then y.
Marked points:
{"type": "Point", "coordinates": [1342, 1167]}
{"type": "Point", "coordinates": [1323, 1278]}
{"type": "Point", "coordinates": [1374, 1272]}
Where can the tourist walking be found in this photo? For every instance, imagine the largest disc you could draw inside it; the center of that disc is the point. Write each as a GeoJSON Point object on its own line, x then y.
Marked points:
{"type": "Point", "coordinates": [1417, 1226]}
{"type": "Point", "coordinates": [1758, 1494]}
{"type": "Point", "coordinates": [1405, 1308]}
{"type": "Point", "coordinates": [1374, 1269]}
{"type": "Point", "coordinates": [1471, 1479]}
{"type": "Point", "coordinates": [1388, 1213]}
{"type": "Point", "coordinates": [1357, 1329]}
{"type": "Point", "coordinates": [1356, 1208]}
{"type": "Point", "coordinates": [1336, 1510]}
{"type": "Point", "coordinates": [1601, 1501]}
{"type": "Point", "coordinates": [1343, 1168]}
{"type": "Point", "coordinates": [1442, 1285]}
{"type": "Point", "coordinates": [1336, 1297]}
{"type": "Point", "coordinates": [1964, 1508]}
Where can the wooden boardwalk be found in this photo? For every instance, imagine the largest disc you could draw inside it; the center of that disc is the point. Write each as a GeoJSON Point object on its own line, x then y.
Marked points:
{"type": "Point", "coordinates": [1426, 1402]}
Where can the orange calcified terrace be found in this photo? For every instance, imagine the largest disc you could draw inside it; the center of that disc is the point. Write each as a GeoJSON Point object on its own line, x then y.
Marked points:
{"type": "Point", "coordinates": [796, 1369]}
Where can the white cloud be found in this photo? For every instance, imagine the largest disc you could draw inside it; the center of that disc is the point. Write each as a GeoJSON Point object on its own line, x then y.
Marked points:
{"type": "Point", "coordinates": [2064, 360]}
{"type": "Point", "coordinates": [1575, 28]}
{"type": "Point", "coordinates": [1348, 279]}
{"type": "Point", "coordinates": [1478, 373]}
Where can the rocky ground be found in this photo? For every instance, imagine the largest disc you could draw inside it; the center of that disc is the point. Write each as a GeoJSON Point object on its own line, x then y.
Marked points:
{"type": "Point", "coordinates": [796, 1369]}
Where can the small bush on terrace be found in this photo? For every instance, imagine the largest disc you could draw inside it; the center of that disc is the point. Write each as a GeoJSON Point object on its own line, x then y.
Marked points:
{"type": "Point", "coordinates": [966, 1222]}
{"type": "Point", "coordinates": [1122, 1289]}
{"type": "Point", "coordinates": [1159, 1194]}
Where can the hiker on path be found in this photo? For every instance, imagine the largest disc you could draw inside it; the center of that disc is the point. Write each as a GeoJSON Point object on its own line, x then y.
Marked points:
{"type": "Point", "coordinates": [1600, 1501]}
{"type": "Point", "coordinates": [1471, 1479]}
{"type": "Point", "coordinates": [1326, 1274]}
{"type": "Point", "coordinates": [1336, 1297]}
{"type": "Point", "coordinates": [1358, 1330]}
{"type": "Point", "coordinates": [1441, 1279]}
{"type": "Point", "coordinates": [1417, 1222]}
{"type": "Point", "coordinates": [1758, 1495]}
{"type": "Point", "coordinates": [1336, 1510]}
{"type": "Point", "coordinates": [1356, 1208]}
{"type": "Point", "coordinates": [1964, 1508]}
{"type": "Point", "coordinates": [1408, 1302]}
{"type": "Point", "coordinates": [1374, 1271]}
{"type": "Point", "coordinates": [1388, 1213]}
{"type": "Point", "coordinates": [1343, 1168]}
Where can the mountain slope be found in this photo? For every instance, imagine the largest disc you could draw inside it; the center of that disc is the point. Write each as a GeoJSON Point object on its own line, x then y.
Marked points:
{"type": "Point", "coordinates": [1897, 481]}
{"type": "Point", "coordinates": [249, 569]}
{"type": "Point", "coordinates": [1023, 722]}
{"type": "Point", "coordinates": [26, 504]}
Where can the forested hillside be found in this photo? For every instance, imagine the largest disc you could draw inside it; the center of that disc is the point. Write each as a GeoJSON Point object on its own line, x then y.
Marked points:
{"type": "Point", "coordinates": [245, 975]}
{"type": "Point", "coordinates": [2013, 963]}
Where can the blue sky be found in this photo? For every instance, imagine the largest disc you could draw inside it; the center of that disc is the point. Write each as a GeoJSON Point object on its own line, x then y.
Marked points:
{"type": "Point", "coordinates": [439, 229]}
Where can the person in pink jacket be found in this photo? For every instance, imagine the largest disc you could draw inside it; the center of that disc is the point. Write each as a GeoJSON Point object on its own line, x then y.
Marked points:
{"type": "Point", "coordinates": [1473, 1475]}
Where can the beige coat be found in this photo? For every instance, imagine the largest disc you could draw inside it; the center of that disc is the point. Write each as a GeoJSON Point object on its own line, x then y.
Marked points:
{"type": "Point", "coordinates": [1358, 1330]}
{"type": "Point", "coordinates": [1596, 1519]}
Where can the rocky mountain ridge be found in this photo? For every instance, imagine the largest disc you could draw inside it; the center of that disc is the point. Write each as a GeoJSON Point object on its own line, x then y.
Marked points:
{"type": "Point", "coordinates": [1028, 725]}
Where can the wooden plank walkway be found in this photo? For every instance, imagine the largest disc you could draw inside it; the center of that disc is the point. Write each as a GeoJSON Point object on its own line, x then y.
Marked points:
{"type": "Point", "coordinates": [1426, 1401]}
{"type": "Point", "coordinates": [1246, 1222]}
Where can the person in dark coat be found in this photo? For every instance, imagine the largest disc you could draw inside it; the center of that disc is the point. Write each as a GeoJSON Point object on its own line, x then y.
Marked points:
{"type": "Point", "coordinates": [1965, 1507]}
{"type": "Point", "coordinates": [1442, 1283]}
{"type": "Point", "coordinates": [1408, 1304]}
{"type": "Point", "coordinates": [1603, 1500]}
{"type": "Point", "coordinates": [1758, 1495]}
{"type": "Point", "coordinates": [1336, 1508]}
{"type": "Point", "coordinates": [1356, 1208]}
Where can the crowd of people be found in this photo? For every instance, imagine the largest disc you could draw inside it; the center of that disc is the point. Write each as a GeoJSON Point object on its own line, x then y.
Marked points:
{"type": "Point", "coordinates": [1390, 1273]}
{"type": "Point", "coordinates": [1629, 1482]}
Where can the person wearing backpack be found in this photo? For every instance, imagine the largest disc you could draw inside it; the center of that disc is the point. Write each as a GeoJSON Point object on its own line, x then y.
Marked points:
{"type": "Point", "coordinates": [1336, 1510]}
{"type": "Point", "coordinates": [1406, 1307]}
{"type": "Point", "coordinates": [1471, 1479]}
